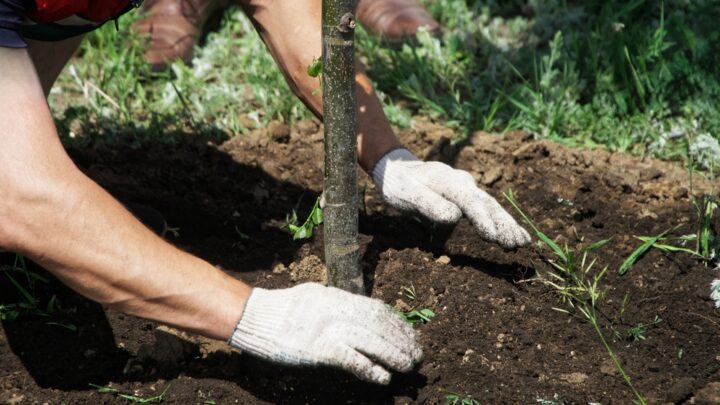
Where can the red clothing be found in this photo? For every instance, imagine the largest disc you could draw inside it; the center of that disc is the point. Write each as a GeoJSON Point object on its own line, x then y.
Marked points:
{"type": "Point", "coordinates": [97, 11]}
{"type": "Point", "coordinates": [53, 20]}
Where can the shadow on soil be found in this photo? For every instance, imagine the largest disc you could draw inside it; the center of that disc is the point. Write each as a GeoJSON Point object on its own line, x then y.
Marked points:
{"type": "Point", "coordinates": [223, 211]}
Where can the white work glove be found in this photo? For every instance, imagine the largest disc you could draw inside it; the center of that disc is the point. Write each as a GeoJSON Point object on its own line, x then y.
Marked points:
{"type": "Point", "coordinates": [444, 194]}
{"type": "Point", "coordinates": [310, 324]}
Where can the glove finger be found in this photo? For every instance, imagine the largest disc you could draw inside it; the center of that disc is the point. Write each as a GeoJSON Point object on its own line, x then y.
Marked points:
{"type": "Point", "coordinates": [488, 217]}
{"type": "Point", "coordinates": [472, 205]}
{"type": "Point", "coordinates": [355, 362]}
{"type": "Point", "coordinates": [378, 347]}
{"type": "Point", "coordinates": [510, 233]}
{"type": "Point", "coordinates": [420, 198]}
{"type": "Point", "coordinates": [403, 331]}
{"type": "Point", "coordinates": [384, 322]}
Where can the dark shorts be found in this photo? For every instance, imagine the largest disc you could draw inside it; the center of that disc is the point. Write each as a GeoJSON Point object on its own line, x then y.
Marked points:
{"type": "Point", "coordinates": [57, 20]}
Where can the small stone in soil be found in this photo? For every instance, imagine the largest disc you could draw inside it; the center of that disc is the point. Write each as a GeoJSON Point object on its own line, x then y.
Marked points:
{"type": "Point", "coordinates": [574, 378]}
{"type": "Point", "coordinates": [443, 259]}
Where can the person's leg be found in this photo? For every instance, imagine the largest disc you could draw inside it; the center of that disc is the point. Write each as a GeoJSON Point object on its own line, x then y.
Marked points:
{"type": "Point", "coordinates": [291, 30]}
{"type": "Point", "coordinates": [394, 20]}
{"type": "Point", "coordinates": [174, 28]}
{"type": "Point", "coordinates": [49, 58]}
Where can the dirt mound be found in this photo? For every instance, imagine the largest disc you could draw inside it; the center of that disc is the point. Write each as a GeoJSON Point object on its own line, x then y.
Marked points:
{"type": "Point", "coordinates": [495, 335]}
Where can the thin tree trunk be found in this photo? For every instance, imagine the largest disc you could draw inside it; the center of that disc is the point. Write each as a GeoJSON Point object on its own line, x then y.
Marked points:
{"type": "Point", "coordinates": [339, 105]}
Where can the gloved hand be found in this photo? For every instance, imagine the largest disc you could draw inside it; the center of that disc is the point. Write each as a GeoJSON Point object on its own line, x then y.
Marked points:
{"type": "Point", "coordinates": [444, 194]}
{"type": "Point", "coordinates": [310, 324]}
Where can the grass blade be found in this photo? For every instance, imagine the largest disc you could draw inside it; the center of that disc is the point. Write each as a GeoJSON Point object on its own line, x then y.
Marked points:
{"type": "Point", "coordinates": [648, 242]}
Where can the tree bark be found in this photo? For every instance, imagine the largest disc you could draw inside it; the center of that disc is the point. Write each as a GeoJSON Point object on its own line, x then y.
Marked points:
{"type": "Point", "coordinates": [340, 177]}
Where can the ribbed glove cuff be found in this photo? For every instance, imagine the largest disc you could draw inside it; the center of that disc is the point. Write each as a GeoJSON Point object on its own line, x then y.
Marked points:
{"type": "Point", "coordinates": [261, 322]}
{"type": "Point", "coordinates": [378, 172]}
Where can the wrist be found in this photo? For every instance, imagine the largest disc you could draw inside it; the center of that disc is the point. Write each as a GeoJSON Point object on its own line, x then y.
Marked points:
{"type": "Point", "coordinates": [261, 323]}
{"type": "Point", "coordinates": [371, 150]}
{"type": "Point", "coordinates": [398, 153]}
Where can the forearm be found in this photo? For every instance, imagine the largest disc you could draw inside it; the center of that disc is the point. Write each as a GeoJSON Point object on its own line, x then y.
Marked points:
{"type": "Point", "coordinates": [93, 245]}
{"type": "Point", "coordinates": [56, 216]}
{"type": "Point", "coordinates": [291, 31]}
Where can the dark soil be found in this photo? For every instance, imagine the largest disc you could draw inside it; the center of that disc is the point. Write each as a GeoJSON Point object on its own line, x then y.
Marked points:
{"type": "Point", "coordinates": [495, 335]}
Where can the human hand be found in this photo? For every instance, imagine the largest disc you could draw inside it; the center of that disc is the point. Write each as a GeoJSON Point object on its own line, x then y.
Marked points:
{"type": "Point", "coordinates": [310, 324]}
{"type": "Point", "coordinates": [444, 194]}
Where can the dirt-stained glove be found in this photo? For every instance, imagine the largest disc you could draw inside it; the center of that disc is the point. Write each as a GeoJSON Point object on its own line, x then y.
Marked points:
{"type": "Point", "coordinates": [310, 324]}
{"type": "Point", "coordinates": [444, 194]}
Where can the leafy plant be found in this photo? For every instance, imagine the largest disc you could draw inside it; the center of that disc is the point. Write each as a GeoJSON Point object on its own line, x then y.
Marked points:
{"type": "Point", "coordinates": [577, 285]}
{"type": "Point", "coordinates": [314, 69]}
{"type": "Point", "coordinates": [423, 315]}
{"type": "Point", "coordinates": [706, 240]}
{"type": "Point", "coordinates": [704, 237]}
{"type": "Point", "coordinates": [130, 397]}
{"type": "Point", "coordinates": [453, 398]}
{"type": "Point", "coordinates": [410, 292]}
{"type": "Point", "coordinates": [637, 332]}
{"type": "Point", "coordinates": [648, 242]}
{"type": "Point", "coordinates": [556, 400]}
{"type": "Point", "coordinates": [305, 230]}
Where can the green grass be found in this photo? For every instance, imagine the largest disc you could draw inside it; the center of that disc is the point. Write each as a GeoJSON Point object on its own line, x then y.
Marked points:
{"type": "Point", "coordinates": [454, 398]}
{"type": "Point", "coordinates": [639, 332]}
{"type": "Point", "coordinates": [232, 86]}
{"type": "Point", "coordinates": [635, 76]}
{"type": "Point", "coordinates": [31, 299]}
{"type": "Point", "coordinates": [578, 285]}
{"type": "Point", "coordinates": [131, 397]}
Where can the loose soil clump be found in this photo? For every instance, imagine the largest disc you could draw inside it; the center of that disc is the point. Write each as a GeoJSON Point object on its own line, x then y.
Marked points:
{"type": "Point", "coordinates": [495, 335]}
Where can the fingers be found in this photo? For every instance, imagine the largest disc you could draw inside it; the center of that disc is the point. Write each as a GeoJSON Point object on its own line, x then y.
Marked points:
{"type": "Point", "coordinates": [488, 217]}
{"type": "Point", "coordinates": [483, 211]}
{"type": "Point", "coordinates": [434, 206]}
{"type": "Point", "coordinates": [380, 339]}
{"type": "Point", "coordinates": [384, 323]}
{"type": "Point", "coordinates": [402, 331]}
{"type": "Point", "coordinates": [397, 355]}
{"type": "Point", "coordinates": [355, 362]}
{"type": "Point", "coordinates": [415, 196]}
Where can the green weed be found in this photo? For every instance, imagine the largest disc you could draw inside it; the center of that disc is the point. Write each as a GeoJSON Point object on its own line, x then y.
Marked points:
{"type": "Point", "coordinates": [130, 397]}
{"type": "Point", "coordinates": [305, 230]}
{"type": "Point", "coordinates": [706, 240]}
{"type": "Point", "coordinates": [577, 284]}
{"type": "Point", "coordinates": [556, 400]}
{"type": "Point", "coordinates": [232, 85]}
{"type": "Point", "coordinates": [31, 302]}
{"type": "Point", "coordinates": [648, 242]}
{"type": "Point", "coordinates": [638, 332]}
{"type": "Point", "coordinates": [453, 398]}
{"type": "Point", "coordinates": [423, 315]}
{"type": "Point", "coordinates": [634, 76]}
{"type": "Point", "coordinates": [410, 292]}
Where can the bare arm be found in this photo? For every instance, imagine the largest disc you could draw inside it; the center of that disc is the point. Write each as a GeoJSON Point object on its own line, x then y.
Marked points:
{"type": "Point", "coordinates": [291, 30]}
{"type": "Point", "coordinates": [55, 215]}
